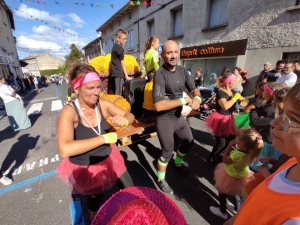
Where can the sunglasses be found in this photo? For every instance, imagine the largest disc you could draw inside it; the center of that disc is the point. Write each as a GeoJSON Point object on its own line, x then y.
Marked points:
{"type": "Point", "coordinates": [287, 124]}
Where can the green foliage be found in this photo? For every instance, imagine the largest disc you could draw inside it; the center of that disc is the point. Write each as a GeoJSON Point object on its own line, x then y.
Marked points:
{"type": "Point", "coordinates": [62, 69]}
{"type": "Point", "coordinates": [75, 55]}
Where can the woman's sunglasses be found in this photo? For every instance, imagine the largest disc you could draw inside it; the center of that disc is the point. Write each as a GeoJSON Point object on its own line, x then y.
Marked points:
{"type": "Point", "coordinates": [286, 123]}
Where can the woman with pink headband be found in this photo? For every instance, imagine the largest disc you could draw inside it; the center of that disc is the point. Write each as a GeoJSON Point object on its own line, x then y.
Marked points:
{"type": "Point", "coordinates": [261, 116]}
{"type": "Point", "coordinates": [221, 122]}
{"type": "Point", "coordinates": [92, 161]}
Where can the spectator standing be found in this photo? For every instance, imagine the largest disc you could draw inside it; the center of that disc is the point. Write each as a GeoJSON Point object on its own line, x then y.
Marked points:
{"type": "Point", "coordinates": [239, 87]}
{"type": "Point", "coordinates": [19, 81]}
{"type": "Point", "coordinates": [289, 78]}
{"type": "Point", "coordinates": [118, 68]}
{"type": "Point", "coordinates": [198, 78]}
{"type": "Point", "coordinates": [297, 68]}
{"type": "Point", "coordinates": [36, 84]}
{"type": "Point", "coordinates": [276, 73]}
{"type": "Point", "coordinates": [267, 68]}
{"type": "Point", "coordinates": [151, 61]}
{"type": "Point", "coordinates": [26, 83]}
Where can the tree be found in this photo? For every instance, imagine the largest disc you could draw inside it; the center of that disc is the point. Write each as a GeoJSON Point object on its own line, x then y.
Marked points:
{"type": "Point", "coordinates": [61, 69]}
{"type": "Point", "coordinates": [75, 55]}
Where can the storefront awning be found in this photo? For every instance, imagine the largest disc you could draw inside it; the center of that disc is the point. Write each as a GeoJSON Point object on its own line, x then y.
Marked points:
{"type": "Point", "coordinates": [23, 63]}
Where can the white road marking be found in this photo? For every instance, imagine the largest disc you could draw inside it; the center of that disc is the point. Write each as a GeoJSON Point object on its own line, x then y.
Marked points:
{"type": "Point", "coordinates": [56, 105]}
{"type": "Point", "coordinates": [35, 108]}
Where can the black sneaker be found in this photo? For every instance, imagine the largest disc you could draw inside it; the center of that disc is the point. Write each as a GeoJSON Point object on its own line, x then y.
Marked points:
{"type": "Point", "coordinates": [182, 170]}
{"type": "Point", "coordinates": [164, 186]}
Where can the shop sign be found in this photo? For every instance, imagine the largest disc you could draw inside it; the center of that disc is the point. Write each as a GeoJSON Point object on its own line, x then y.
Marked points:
{"type": "Point", "coordinates": [232, 48]}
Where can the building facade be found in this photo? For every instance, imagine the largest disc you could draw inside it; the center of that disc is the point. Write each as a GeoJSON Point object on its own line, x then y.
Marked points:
{"type": "Point", "coordinates": [250, 32]}
{"type": "Point", "coordinates": [38, 63]}
{"type": "Point", "coordinates": [93, 49]}
{"type": "Point", "coordinates": [9, 61]}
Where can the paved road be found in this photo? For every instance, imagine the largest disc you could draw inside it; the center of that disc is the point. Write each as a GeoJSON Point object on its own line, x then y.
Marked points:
{"type": "Point", "coordinates": [37, 196]}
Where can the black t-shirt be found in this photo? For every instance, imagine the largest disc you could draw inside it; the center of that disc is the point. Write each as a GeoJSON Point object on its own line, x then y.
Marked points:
{"type": "Point", "coordinates": [199, 81]}
{"type": "Point", "coordinates": [117, 55]}
{"type": "Point", "coordinates": [169, 85]}
{"type": "Point", "coordinates": [272, 75]}
{"type": "Point", "coordinates": [223, 94]}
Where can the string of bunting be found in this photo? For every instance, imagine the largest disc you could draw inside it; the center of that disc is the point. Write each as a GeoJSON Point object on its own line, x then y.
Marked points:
{"type": "Point", "coordinates": [98, 5]}
{"type": "Point", "coordinates": [51, 26]}
{"type": "Point", "coordinates": [44, 49]}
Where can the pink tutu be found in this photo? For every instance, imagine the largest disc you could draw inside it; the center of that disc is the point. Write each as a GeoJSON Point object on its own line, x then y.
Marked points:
{"type": "Point", "coordinates": [92, 179]}
{"type": "Point", "coordinates": [221, 125]}
{"type": "Point", "coordinates": [227, 184]}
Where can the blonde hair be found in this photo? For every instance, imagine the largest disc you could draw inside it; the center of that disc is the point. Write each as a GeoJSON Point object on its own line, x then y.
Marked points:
{"type": "Point", "coordinates": [252, 141]}
{"type": "Point", "coordinates": [274, 86]}
{"type": "Point", "coordinates": [149, 42]}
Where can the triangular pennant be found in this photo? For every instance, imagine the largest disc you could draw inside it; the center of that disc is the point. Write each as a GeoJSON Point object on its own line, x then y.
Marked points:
{"type": "Point", "coordinates": [131, 3]}
{"type": "Point", "coordinates": [82, 4]}
{"type": "Point", "coordinates": [27, 1]}
{"type": "Point", "coordinates": [38, 1]}
{"type": "Point", "coordinates": [104, 4]}
{"type": "Point", "coordinates": [32, 0]}
{"type": "Point", "coordinates": [44, 2]}
{"type": "Point", "coordinates": [145, 2]}
{"type": "Point", "coordinates": [98, 5]}
{"type": "Point", "coordinates": [57, 3]}
{"type": "Point", "coordinates": [112, 5]}
{"type": "Point", "coordinates": [138, 2]}
{"type": "Point", "coordinates": [76, 3]}
{"type": "Point", "coordinates": [63, 3]}
{"type": "Point", "coordinates": [92, 4]}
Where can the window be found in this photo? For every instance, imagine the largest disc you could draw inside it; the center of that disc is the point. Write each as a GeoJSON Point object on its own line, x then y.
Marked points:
{"type": "Point", "coordinates": [291, 56]}
{"type": "Point", "coordinates": [177, 22]}
{"type": "Point", "coordinates": [130, 40]}
{"type": "Point", "coordinates": [298, 2]}
{"type": "Point", "coordinates": [119, 22]}
{"type": "Point", "coordinates": [129, 15]}
{"type": "Point", "coordinates": [151, 28]}
{"type": "Point", "coordinates": [218, 12]}
{"type": "Point", "coordinates": [105, 48]}
{"type": "Point", "coordinates": [111, 44]}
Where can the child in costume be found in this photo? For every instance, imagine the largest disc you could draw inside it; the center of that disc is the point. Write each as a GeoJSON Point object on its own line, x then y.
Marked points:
{"type": "Point", "coordinates": [221, 122]}
{"type": "Point", "coordinates": [276, 199]}
{"type": "Point", "coordinates": [233, 173]}
{"type": "Point", "coordinates": [260, 117]}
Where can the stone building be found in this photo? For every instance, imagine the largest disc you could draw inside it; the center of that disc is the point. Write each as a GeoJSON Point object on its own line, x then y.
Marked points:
{"type": "Point", "coordinates": [92, 49]}
{"type": "Point", "coordinates": [9, 61]}
{"type": "Point", "coordinates": [37, 63]}
{"type": "Point", "coordinates": [213, 34]}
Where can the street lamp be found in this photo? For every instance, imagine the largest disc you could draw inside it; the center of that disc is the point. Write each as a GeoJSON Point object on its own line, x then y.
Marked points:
{"type": "Point", "coordinates": [100, 43]}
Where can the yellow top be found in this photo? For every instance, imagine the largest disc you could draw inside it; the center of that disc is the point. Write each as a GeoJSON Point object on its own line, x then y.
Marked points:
{"type": "Point", "coordinates": [148, 99]}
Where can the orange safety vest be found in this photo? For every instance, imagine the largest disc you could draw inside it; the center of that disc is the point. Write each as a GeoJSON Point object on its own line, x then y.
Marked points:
{"type": "Point", "coordinates": [267, 207]}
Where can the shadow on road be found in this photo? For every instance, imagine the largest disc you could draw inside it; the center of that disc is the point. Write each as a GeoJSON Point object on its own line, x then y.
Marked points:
{"type": "Point", "coordinates": [18, 153]}
{"type": "Point", "coordinates": [7, 133]}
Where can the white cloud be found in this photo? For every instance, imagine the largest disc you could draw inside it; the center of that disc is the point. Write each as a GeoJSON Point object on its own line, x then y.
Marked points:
{"type": "Point", "coordinates": [58, 20]}
{"type": "Point", "coordinates": [78, 22]}
{"type": "Point", "coordinates": [27, 42]}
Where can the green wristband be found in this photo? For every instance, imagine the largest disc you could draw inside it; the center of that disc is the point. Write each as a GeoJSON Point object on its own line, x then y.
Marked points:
{"type": "Point", "coordinates": [183, 102]}
{"type": "Point", "coordinates": [199, 98]}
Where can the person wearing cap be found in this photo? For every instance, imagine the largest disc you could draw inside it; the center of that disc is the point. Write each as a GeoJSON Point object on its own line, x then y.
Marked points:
{"type": "Point", "coordinates": [267, 68]}
{"type": "Point", "coordinates": [170, 81]}
{"type": "Point", "coordinates": [92, 161]}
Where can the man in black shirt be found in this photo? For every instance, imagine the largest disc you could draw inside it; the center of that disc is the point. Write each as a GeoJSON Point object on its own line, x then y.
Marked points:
{"type": "Point", "coordinates": [118, 69]}
{"type": "Point", "coordinates": [273, 75]}
{"type": "Point", "coordinates": [169, 83]}
{"type": "Point", "coordinates": [20, 83]}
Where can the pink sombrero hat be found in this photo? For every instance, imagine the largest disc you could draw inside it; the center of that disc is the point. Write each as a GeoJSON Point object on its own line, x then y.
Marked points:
{"type": "Point", "coordinates": [139, 206]}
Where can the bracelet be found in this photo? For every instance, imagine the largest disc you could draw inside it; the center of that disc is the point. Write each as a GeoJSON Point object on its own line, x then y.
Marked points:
{"type": "Point", "coordinates": [183, 101]}
{"type": "Point", "coordinates": [199, 98]}
{"type": "Point", "coordinates": [126, 124]}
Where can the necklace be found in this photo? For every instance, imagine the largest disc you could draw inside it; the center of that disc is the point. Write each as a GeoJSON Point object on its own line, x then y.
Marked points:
{"type": "Point", "coordinates": [91, 114]}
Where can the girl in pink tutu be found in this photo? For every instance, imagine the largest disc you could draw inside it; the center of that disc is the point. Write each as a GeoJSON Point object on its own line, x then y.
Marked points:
{"type": "Point", "coordinates": [221, 122]}
{"type": "Point", "coordinates": [233, 173]}
{"type": "Point", "coordinates": [92, 161]}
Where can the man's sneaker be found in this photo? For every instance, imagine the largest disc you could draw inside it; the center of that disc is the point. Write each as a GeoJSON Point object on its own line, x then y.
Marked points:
{"type": "Point", "coordinates": [182, 169]}
{"type": "Point", "coordinates": [5, 180]}
{"type": "Point", "coordinates": [217, 212]}
{"type": "Point", "coordinates": [231, 207]}
{"type": "Point", "coordinates": [164, 186]}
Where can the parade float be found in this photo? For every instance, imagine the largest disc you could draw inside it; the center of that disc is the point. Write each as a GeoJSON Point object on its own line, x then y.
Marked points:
{"type": "Point", "coordinates": [102, 66]}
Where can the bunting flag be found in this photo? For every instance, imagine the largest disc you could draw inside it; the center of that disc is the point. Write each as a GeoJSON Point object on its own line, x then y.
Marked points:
{"type": "Point", "coordinates": [135, 2]}
{"type": "Point", "coordinates": [51, 26]}
{"type": "Point", "coordinates": [46, 49]}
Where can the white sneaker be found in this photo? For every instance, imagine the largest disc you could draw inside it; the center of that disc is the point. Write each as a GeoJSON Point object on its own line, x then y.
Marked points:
{"type": "Point", "coordinates": [230, 206]}
{"type": "Point", "coordinates": [217, 212]}
{"type": "Point", "coordinates": [5, 180]}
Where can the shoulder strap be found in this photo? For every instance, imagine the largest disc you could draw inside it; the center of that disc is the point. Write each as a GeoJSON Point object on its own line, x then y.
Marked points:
{"type": "Point", "coordinates": [77, 112]}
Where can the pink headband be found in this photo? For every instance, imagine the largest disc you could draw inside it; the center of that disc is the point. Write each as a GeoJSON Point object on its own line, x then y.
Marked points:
{"type": "Point", "coordinates": [229, 79]}
{"type": "Point", "coordinates": [91, 76]}
{"type": "Point", "coordinates": [268, 90]}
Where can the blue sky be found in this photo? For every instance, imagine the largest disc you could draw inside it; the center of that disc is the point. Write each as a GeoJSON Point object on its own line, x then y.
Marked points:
{"type": "Point", "coordinates": [76, 19]}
